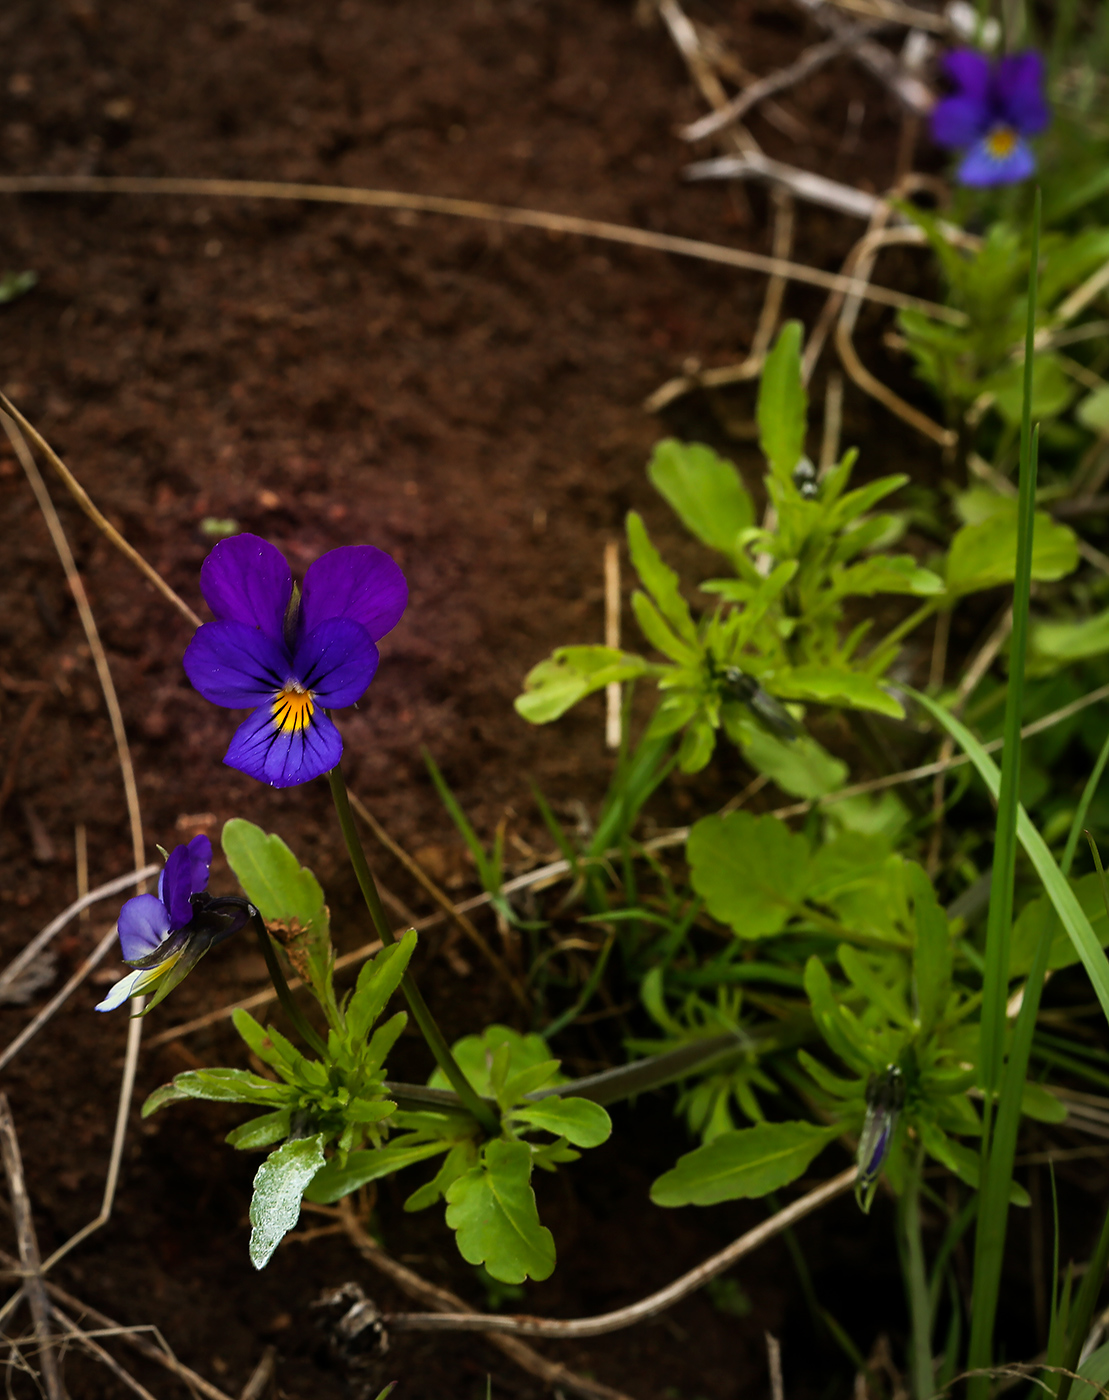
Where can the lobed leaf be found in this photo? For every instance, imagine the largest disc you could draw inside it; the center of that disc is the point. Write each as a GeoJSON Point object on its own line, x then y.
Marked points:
{"type": "Point", "coordinates": [492, 1210]}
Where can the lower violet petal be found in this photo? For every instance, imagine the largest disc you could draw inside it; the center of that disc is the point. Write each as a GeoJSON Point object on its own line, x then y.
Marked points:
{"type": "Point", "coordinates": [284, 757]}
{"type": "Point", "coordinates": [981, 168]}
{"type": "Point", "coordinates": [235, 665]}
{"type": "Point", "coordinates": [143, 924]}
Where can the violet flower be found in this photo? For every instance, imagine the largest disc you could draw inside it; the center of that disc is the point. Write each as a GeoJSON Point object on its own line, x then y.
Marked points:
{"type": "Point", "coordinates": [290, 656]}
{"type": "Point", "coordinates": [164, 936]}
{"type": "Point", "coordinates": [996, 106]}
{"type": "Point", "coordinates": [885, 1097]}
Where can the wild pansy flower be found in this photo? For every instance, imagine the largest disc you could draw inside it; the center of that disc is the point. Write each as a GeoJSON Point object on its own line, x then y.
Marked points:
{"type": "Point", "coordinates": [164, 936]}
{"type": "Point", "coordinates": [996, 106]}
{"type": "Point", "coordinates": [291, 655]}
{"type": "Point", "coordinates": [885, 1097]}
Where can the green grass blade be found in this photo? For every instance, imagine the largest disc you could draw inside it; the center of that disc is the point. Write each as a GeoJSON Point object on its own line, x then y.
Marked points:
{"type": "Point", "coordinates": [1055, 884]}
{"type": "Point", "coordinates": [1083, 807]}
{"type": "Point", "coordinates": [486, 873]}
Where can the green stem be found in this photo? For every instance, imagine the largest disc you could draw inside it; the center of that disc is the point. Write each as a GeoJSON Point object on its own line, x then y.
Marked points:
{"type": "Point", "coordinates": [281, 987]}
{"type": "Point", "coordinates": [1083, 807]}
{"type": "Point", "coordinates": [916, 1282]}
{"type": "Point", "coordinates": [421, 1012]}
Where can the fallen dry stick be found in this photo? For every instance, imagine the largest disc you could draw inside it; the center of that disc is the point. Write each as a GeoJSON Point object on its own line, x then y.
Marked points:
{"type": "Point", "coordinates": [647, 1307]}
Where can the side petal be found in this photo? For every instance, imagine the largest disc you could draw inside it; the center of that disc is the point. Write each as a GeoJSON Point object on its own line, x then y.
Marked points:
{"type": "Point", "coordinates": [981, 169]}
{"type": "Point", "coordinates": [1018, 86]}
{"type": "Point", "coordinates": [143, 924]}
{"type": "Point", "coordinates": [358, 582]}
{"type": "Point", "coordinates": [200, 862]}
{"type": "Point", "coordinates": [120, 992]}
{"type": "Point", "coordinates": [139, 981]}
{"type": "Point", "coordinates": [336, 661]}
{"type": "Point", "coordinates": [245, 579]}
{"type": "Point", "coordinates": [969, 70]}
{"type": "Point", "coordinates": [958, 122]}
{"type": "Point", "coordinates": [235, 665]}
{"type": "Point", "coordinates": [284, 757]}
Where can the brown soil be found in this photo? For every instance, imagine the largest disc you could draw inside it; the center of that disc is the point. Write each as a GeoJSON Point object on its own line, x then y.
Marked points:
{"type": "Point", "coordinates": [465, 396]}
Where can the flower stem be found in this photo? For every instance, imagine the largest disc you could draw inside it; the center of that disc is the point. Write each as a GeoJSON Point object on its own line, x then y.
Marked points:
{"type": "Point", "coordinates": [421, 1012]}
{"type": "Point", "coordinates": [281, 987]}
{"type": "Point", "coordinates": [916, 1282]}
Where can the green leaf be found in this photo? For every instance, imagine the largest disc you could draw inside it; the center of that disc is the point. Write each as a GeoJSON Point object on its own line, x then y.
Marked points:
{"type": "Point", "coordinates": [932, 956]}
{"type": "Point", "coordinates": [660, 581]}
{"type": "Point", "coordinates": [579, 1121]}
{"type": "Point", "coordinates": [749, 1162]}
{"type": "Point", "coordinates": [15, 284]}
{"type": "Point", "coordinates": [1037, 1101]}
{"type": "Point", "coordinates": [368, 1164]}
{"type": "Point", "coordinates": [1073, 917]}
{"type": "Point", "coordinates": [799, 766]}
{"type": "Point", "coordinates": [898, 573]}
{"type": "Point", "coordinates": [557, 684]}
{"type": "Point", "coordinates": [261, 1132]}
{"type": "Point", "coordinates": [219, 1086]}
{"type": "Point", "coordinates": [279, 1186]}
{"type": "Point", "coordinates": [983, 555]}
{"type": "Point", "coordinates": [1052, 389]}
{"type": "Point", "coordinates": [1040, 912]}
{"type": "Point", "coordinates": [783, 404]}
{"type": "Point", "coordinates": [1070, 640]}
{"type": "Point", "coordinates": [377, 981]}
{"type": "Point", "coordinates": [492, 1210]}
{"type": "Point", "coordinates": [659, 633]}
{"type": "Point", "coordinates": [829, 685]}
{"type": "Point", "coordinates": [704, 490]}
{"type": "Point", "coordinates": [462, 1156]}
{"type": "Point", "coordinates": [475, 1054]}
{"type": "Point", "coordinates": [750, 871]}
{"type": "Point", "coordinates": [286, 894]}
{"type": "Point", "coordinates": [1093, 411]}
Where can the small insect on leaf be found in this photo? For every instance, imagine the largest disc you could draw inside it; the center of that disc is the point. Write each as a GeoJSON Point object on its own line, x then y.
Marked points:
{"type": "Point", "coordinates": [885, 1097]}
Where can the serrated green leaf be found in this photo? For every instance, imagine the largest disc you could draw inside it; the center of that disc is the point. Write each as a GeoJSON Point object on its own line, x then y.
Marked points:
{"type": "Point", "coordinates": [748, 1162]}
{"type": "Point", "coordinates": [704, 490]}
{"type": "Point", "coordinates": [219, 1086]}
{"type": "Point", "coordinates": [492, 1210]}
{"type": "Point", "coordinates": [286, 894]}
{"type": "Point", "coordinates": [828, 685]}
{"type": "Point", "coordinates": [261, 1132]}
{"type": "Point", "coordinates": [783, 404]}
{"type": "Point", "coordinates": [750, 871]}
{"type": "Point", "coordinates": [659, 579]}
{"type": "Point", "coordinates": [369, 1164]}
{"type": "Point", "coordinates": [983, 555]}
{"type": "Point", "coordinates": [279, 1186]}
{"type": "Point", "coordinates": [377, 981]}
{"type": "Point", "coordinates": [579, 1121]}
{"type": "Point", "coordinates": [557, 684]}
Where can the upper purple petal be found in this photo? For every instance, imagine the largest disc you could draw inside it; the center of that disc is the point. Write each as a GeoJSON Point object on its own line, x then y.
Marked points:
{"type": "Point", "coordinates": [1018, 92]}
{"type": "Point", "coordinates": [357, 582]}
{"type": "Point", "coordinates": [336, 661]}
{"type": "Point", "coordinates": [185, 874]}
{"type": "Point", "coordinates": [959, 121]}
{"type": "Point", "coordinates": [245, 579]}
{"type": "Point", "coordinates": [235, 665]}
{"type": "Point", "coordinates": [969, 70]}
{"type": "Point", "coordinates": [981, 169]}
{"type": "Point", "coordinates": [284, 758]}
{"type": "Point", "coordinates": [143, 924]}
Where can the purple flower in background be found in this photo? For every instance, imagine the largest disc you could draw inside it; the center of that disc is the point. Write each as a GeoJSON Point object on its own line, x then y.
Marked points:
{"type": "Point", "coordinates": [290, 656]}
{"type": "Point", "coordinates": [995, 106]}
{"type": "Point", "coordinates": [164, 936]}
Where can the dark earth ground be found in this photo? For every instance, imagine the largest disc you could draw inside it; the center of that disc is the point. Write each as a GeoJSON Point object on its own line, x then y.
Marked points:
{"type": "Point", "coordinates": [465, 396]}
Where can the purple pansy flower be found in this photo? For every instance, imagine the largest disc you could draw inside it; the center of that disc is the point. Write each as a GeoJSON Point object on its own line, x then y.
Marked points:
{"type": "Point", "coordinates": [164, 936]}
{"type": "Point", "coordinates": [995, 107]}
{"type": "Point", "coordinates": [288, 655]}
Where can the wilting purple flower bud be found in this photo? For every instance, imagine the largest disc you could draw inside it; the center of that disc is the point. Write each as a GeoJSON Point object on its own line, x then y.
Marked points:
{"type": "Point", "coordinates": [289, 656]}
{"type": "Point", "coordinates": [164, 936]}
{"type": "Point", "coordinates": [996, 105]}
{"type": "Point", "coordinates": [885, 1096]}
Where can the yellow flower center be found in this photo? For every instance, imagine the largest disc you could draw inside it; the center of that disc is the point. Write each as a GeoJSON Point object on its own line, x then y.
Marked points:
{"type": "Point", "coordinates": [1000, 142]}
{"type": "Point", "coordinates": [292, 707]}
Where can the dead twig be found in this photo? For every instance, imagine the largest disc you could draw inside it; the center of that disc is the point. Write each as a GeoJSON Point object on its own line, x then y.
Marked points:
{"type": "Point", "coordinates": [81, 496]}
{"type": "Point", "coordinates": [55, 926]}
{"type": "Point", "coordinates": [104, 1357]}
{"type": "Point", "coordinates": [261, 1376]}
{"type": "Point", "coordinates": [29, 1257]}
{"type": "Point", "coordinates": [553, 1373]}
{"type": "Point", "coordinates": [805, 184]}
{"type": "Point", "coordinates": [774, 1365]}
{"type": "Point", "coordinates": [646, 1308]}
{"type": "Point", "coordinates": [59, 999]}
{"type": "Point", "coordinates": [891, 11]}
{"type": "Point", "coordinates": [737, 107]}
{"type": "Point", "coordinates": [918, 97]}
